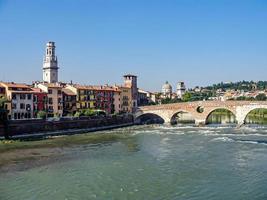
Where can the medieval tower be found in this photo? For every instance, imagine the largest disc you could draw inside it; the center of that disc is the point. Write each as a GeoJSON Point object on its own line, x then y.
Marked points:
{"type": "Point", "coordinates": [50, 67]}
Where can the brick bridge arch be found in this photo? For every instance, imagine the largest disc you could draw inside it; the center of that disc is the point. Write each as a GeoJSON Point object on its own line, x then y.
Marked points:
{"type": "Point", "coordinates": [239, 108]}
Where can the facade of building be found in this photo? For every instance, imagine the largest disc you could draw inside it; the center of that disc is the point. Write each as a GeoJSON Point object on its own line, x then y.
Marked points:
{"type": "Point", "coordinates": [105, 98]}
{"type": "Point", "coordinates": [54, 98]}
{"type": "Point", "coordinates": [146, 98]}
{"type": "Point", "coordinates": [180, 90]}
{"type": "Point", "coordinates": [126, 99]}
{"type": "Point", "coordinates": [20, 100]}
{"type": "Point", "coordinates": [69, 102]}
{"type": "Point", "coordinates": [117, 100]}
{"type": "Point", "coordinates": [130, 81]}
{"type": "Point", "coordinates": [94, 97]}
{"type": "Point", "coordinates": [39, 101]}
{"type": "Point", "coordinates": [85, 96]}
{"type": "Point", "coordinates": [143, 98]}
{"type": "Point", "coordinates": [50, 65]}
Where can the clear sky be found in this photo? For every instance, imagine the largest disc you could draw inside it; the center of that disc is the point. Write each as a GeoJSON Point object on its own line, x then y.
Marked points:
{"type": "Point", "coordinates": [198, 41]}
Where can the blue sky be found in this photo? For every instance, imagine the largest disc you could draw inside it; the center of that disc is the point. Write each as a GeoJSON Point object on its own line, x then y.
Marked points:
{"type": "Point", "coordinates": [198, 41]}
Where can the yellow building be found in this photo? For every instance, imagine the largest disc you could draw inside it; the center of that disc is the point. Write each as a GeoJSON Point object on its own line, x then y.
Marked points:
{"type": "Point", "coordinates": [126, 99]}
{"type": "Point", "coordinates": [85, 97]}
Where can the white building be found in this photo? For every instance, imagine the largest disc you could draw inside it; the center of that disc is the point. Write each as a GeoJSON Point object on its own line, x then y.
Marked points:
{"type": "Point", "coordinates": [166, 90]}
{"type": "Point", "coordinates": [20, 100]}
{"type": "Point", "coordinates": [180, 90]}
{"type": "Point", "coordinates": [50, 66]}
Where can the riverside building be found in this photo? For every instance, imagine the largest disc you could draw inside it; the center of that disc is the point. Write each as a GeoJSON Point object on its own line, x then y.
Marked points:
{"type": "Point", "coordinates": [20, 100]}
{"type": "Point", "coordinates": [54, 98]}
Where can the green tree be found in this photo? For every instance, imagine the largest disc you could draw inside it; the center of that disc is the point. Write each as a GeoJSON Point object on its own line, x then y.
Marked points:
{"type": "Point", "coordinates": [261, 97]}
{"type": "Point", "coordinates": [187, 96]}
{"type": "Point", "coordinates": [42, 114]}
{"type": "Point", "coordinates": [77, 114]}
{"type": "Point", "coordinates": [89, 112]}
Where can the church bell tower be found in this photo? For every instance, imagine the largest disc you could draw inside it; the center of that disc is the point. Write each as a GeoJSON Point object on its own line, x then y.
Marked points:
{"type": "Point", "coordinates": [50, 67]}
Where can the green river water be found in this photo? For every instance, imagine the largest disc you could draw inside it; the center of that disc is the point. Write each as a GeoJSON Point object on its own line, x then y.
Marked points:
{"type": "Point", "coordinates": [139, 162]}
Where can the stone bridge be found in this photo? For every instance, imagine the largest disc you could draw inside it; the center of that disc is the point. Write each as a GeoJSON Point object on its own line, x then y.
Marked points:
{"type": "Point", "coordinates": [200, 110]}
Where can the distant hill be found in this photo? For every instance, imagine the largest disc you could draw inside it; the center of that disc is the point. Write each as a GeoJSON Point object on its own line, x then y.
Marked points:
{"type": "Point", "coordinates": [241, 85]}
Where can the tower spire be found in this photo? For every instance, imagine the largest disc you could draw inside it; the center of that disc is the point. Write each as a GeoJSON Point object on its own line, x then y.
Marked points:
{"type": "Point", "coordinates": [50, 65]}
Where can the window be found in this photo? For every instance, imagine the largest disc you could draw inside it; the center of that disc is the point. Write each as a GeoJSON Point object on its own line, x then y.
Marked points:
{"type": "Point", "coordinates": [35, 98]}
{"type": "Point", "coordinates": [14, 96]}
{"type": "Point", "coordinates": [22, 96]}
{"type": "Point", "coordinates": [28, 107]}
{"type": "Point", "coordinates": [59, 100]}
{"type": "Point", "coordinates": [14, 106]}
{"type": "Point", "coordinates": [50, 100]}
{"type": "Point", "coordinates": [29, 96]}
{"type": "Point", "coordinates": [59, 92]}
{"type": "Point", "coordinates": [50, 91]}
{"type": "Point", "coordinates": [22, 106]}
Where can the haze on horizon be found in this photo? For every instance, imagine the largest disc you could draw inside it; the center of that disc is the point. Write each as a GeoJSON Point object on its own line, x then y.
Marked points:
{"type": "Point", "coordinates": [200, 42]}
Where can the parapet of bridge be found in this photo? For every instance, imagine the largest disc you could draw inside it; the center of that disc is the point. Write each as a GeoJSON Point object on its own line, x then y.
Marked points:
{"type": "Point", "coordinates": [200, 110]}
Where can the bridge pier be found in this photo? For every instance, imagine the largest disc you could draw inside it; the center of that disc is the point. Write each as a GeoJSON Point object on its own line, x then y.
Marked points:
{"type": "Point", "coordinates": [200, 122]}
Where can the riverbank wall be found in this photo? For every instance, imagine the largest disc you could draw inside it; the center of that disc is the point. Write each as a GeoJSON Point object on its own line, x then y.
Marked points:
{"type": "Point", "coordinates": [26, 128]}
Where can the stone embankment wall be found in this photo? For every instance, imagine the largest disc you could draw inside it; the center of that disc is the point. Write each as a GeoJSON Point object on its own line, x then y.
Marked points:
{"type": "Point", "coordinates": [22, 127]}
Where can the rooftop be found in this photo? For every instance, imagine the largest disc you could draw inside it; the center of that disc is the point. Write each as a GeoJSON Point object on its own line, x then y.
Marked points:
{"type": "Point", "coordinates": [15, 85]}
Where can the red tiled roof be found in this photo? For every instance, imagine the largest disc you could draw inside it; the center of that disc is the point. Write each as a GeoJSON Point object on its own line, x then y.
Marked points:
{"type": "Point", "coordinates": [15, 85]}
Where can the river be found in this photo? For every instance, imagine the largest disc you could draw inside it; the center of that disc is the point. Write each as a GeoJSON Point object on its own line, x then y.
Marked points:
{"type": "Point", "coordinates": [141, 162]}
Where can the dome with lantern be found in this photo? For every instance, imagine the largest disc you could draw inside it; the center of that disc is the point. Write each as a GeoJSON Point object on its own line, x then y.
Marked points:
{"type": "Point", "coordinates": [166, 88]}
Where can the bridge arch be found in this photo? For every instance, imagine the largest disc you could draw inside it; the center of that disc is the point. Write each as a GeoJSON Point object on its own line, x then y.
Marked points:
{"type": "Point", "coordinates": [149, 118]}
{"type": "Point", "coordinates": [259, 115]}
{"type": "Point", "coordinates": [183, 116]}
{"type": "Point", "coordinates": [225, 115]}
{"type": "Point", "coordinates": [163, 117]}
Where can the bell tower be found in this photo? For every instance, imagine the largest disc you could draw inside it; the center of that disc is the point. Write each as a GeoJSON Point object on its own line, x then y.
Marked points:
{"type": "Point", "coordinates": [50, 67]}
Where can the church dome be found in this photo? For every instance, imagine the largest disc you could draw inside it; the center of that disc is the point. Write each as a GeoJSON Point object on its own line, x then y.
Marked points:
{"type": "Point", "coordinates": [166, 88]}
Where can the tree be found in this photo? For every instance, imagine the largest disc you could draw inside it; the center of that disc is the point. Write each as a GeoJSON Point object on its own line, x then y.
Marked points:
{"type": "Point", "coordinates": [77, 114]}
{"type": "Point", "coordinates": [187, 96]}
{"type": "Point", "coordinates": [42, 114]}
{"type": "Point", "coordinates": [261, 97]}
{"type": "Point", "coordinates": [89, 112]}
